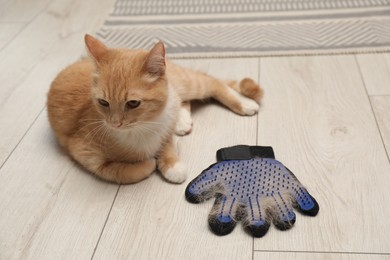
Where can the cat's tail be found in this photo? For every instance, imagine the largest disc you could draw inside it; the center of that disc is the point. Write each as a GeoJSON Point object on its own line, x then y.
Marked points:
{"type": "Point", "coordinates": [247, 87]}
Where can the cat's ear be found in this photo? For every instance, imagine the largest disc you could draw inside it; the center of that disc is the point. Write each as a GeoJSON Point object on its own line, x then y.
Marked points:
{"type": "Point", "coordinates": [96, 48]}
{"type": "Point", "coordinates": [154, 65]}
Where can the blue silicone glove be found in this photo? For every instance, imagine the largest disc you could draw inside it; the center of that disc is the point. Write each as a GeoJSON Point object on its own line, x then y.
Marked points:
{"type": "Point", "coordinates": [252, 189]}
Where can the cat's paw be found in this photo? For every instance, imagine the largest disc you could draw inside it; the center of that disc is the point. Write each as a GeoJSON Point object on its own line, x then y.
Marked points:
{"type": "Point", "coordinates": [184, 123]}
{"type": "Point", "coordinates": [150, 165]}
{"type": "Point", "coordinates": [251, 89]}
{"type": "Point", "coordinates": [248, 106]}
{"type": "Point", "coordinates": [176, 174]}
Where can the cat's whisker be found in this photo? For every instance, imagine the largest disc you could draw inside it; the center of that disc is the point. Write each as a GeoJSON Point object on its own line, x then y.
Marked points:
{"type": "Point", "coordinates": [103, 136]}
{"type": "Point", "coordinates": [94, 132]}
{"type": "Point", "coordinates": [137, 126]}
{"type": "Point", "coordinates": [145, 123]}
{"type": "Point", "coordinates": [151, 123]}
{"type": "Point", "coordinates": [141, 131]}
{"type": "Point", "coordinates": [148, 130]}
{"type": "Point", "coordinates": [150, 127]}
{"type": "Point", "coordinates": [90, 134]}
{"type": "Point", "coordinates": [152, 130]}
{"type": "Point", "coordinates": [101, 128]}
{"type": "Point", "coordinates": [93, 123]}
{"type": "Point", "coordinates": [90, 124]}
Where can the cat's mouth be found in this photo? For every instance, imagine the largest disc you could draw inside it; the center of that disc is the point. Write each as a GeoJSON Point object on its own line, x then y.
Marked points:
{"type": "Point", "coordinates": [121, 126]}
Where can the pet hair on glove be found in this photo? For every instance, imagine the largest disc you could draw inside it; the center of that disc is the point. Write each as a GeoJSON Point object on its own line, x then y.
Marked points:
{"type": "Point", "coordinates": [249, 185]}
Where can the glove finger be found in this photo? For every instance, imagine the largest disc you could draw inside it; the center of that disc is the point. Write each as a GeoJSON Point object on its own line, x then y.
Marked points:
{"type": "Point", "coordinates": [256, 220]}
{"type": "Point", "coordinates": [305, 203]}
{"type": "Point", "coordinates": [222, 216]}
{"type": "Point", "coordinates": [282, 213]}
{"type": "Point", "coordinates": [202, 187]}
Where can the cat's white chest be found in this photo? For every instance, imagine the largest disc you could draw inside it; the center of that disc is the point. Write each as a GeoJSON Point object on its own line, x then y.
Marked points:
{"type": "Point", "coordinates": [145, 140]}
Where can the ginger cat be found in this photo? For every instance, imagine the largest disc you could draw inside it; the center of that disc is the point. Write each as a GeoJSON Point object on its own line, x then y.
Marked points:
{"type": "Point", "coordinates": [115, 113]}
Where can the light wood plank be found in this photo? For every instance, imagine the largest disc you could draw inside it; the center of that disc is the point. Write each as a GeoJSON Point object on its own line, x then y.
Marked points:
{"type": "Point", "coordinates": [35, 56]}
{"type": "Point", "coordinates": [51, 208]}
{"type": "Point", "coordinates": [381, 106]}
{"type": "Point", "coordinates": [375, 69]}
{"type": "Point", "coordinates": [316, 256]}
{"type": "Point", "coordinates": [318, 118]}
{"type": "Point", "coordinates": [8, 32]}
{"type": "Point", "coordinates": [152, 220]}
{"type": "Point", "coordinates": [21, 10]}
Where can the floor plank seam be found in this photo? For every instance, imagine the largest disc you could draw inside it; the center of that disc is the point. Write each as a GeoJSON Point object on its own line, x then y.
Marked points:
{"type": "Point", "coordinates": [324, 252]}
{"type": "Point", "coordinates": [253, 248]}
{"type": "Point", "coordinates": [26, 25]}
{"type": "Point", "coordinates": [377, 95]}
{"type": "Point", "coordinates": [25, 133]}
{"type": "Point", "coordinates": [372, 110]}
{"type": "Point", "coordinates": [258, 114]}
{"type": "Point", "coordinates": [13, 38]}
{"type": "Point", "coordinates": [105, 223]}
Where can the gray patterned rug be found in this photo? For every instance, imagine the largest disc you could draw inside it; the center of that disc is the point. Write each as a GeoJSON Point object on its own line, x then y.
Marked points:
{"type": "Point", "coordinates": [238, 28]}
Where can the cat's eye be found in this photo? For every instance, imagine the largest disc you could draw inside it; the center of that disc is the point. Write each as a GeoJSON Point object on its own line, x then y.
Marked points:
{"type": "Point", "coordinates": [133, 103]}
{"type": "Point", "coordinates": [103, 103]}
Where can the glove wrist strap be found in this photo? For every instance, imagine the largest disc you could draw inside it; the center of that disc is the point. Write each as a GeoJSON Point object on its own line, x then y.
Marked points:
{"type": "Point", "coordinates": [244, 152]}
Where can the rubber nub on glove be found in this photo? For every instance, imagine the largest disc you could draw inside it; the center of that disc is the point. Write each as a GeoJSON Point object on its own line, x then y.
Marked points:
{"type": "Point", "coordinates": [221, 225]}
{"type": "Point", "coordinates": [284, 225]}
{"type": "Point", "coordinates": [191, 197]}
{"type": "Point", "coordinates": [258, 230]}
{"type": "Point", "coordinates": [312, 211]}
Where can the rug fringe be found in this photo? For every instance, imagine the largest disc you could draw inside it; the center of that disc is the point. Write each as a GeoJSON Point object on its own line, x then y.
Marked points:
{"type": "Point", "coordinates": [221, 55]}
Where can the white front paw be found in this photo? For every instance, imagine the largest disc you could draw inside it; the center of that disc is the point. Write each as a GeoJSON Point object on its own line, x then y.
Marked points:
{"type": "Point", "coordinates": [176, 174]}
{"type": "Point", "coordinates": [184, 123]}
{"type": "Point", "coordinates": [249, 107]}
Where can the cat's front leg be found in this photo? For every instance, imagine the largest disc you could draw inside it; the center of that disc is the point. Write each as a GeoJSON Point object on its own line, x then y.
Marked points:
{"type": "Point", "coordinates": [169, 164]}
{"type": "Point", "coordinates": [184, 121]}
{"type": "Point", "coordinates": [126, 173]}
{"type": "Point", "coordinates": [114, 171]}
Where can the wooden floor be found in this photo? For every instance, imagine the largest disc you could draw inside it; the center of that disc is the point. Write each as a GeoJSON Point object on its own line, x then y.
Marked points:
{"type": "Point", "coordinates": [327, 117]}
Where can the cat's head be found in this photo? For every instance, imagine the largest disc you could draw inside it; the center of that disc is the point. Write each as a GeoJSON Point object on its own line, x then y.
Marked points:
{"type": "Point", "coordinates": [129, 86]}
